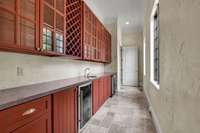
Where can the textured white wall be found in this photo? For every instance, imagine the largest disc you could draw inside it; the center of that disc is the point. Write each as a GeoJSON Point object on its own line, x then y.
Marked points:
{"type": "Point", "coordinates": [176, 104]}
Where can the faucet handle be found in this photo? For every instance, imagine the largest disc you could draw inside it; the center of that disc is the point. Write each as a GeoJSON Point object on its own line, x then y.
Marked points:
{"type": "Point", "coordinates": [86, 71]}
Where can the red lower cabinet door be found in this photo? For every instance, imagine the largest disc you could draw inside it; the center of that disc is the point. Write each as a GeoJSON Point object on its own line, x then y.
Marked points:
{"type": "Point", "coordinates": [105, 88]}
{"type": "Point", "coordinates": [37, 126]}
{"type": "Point", "coordinates": [101, 91]}
{"type": "Point", "coordinates": [30, 117]}
{"type": "Point", "coordinates": [65, 111]}
{"type": "Point", "coordinates": [95, 96]}
{"type": "Point", "coordinates": [109, 86]}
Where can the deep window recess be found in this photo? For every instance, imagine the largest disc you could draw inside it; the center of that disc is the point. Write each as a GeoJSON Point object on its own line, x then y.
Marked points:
{"type": "Point", "coordinates": [155, 42]}
{"type": "Point", "coordinates": [156, 47]}
{"type": "Point", "coordinates": [144, 56]}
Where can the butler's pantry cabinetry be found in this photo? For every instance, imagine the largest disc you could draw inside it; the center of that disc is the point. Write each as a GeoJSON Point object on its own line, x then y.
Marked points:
{"type": "Point", "coordinates": [53, 28]}
{"type": "Point", "coordinates": [33, 26]}
{"type": "Point", "coordinates": [66, 110]}
{"type": "Point", "coordinates": [19, 24]}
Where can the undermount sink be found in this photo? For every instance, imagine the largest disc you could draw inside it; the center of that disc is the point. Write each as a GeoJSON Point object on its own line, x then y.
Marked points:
{"type": "Point", "coordinates": [91, 76]}
{"type": "Point", "coordinates": [88, 74]}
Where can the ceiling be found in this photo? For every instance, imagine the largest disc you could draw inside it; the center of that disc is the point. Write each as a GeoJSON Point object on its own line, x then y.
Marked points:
{"type": "Point", "coordinates": [131, 11]}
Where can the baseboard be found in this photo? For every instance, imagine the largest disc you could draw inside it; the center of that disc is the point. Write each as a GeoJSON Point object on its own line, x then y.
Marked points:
{"type": "Point", "coordinates": [140, 83]}
{"type": "Point", "coordinates": [155, 120]}
{"type": "Point", "coordinates": [154, 116]}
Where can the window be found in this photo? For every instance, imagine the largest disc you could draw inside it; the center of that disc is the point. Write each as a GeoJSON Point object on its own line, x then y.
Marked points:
{"type": "Point", "coordinates": [155, 40]}
{"type": "Point", "coordinates": [156, 48]}
{"type": "Point", "coordinates": [144, 56]}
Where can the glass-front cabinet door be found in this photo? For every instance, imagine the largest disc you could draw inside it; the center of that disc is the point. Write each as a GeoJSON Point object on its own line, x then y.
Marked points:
{"type": "Point", "coordinates": [8, 24]}
{"type": "Point", "coordinates": [19, 24]}
{"type": "Point", "coordinates": [29, 24]}
{"type": "Point", "coordinates": [53, 31]}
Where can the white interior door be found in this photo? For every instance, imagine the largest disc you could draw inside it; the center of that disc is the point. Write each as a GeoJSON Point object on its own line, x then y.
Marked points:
{"type": "Point", "coordinates": [130, 66]}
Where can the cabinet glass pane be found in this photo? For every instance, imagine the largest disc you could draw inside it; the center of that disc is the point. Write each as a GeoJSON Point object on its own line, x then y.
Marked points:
{"type": "Point", "coordinates": [60, 5]}
{"type": "Point", "coordinates": [28, 8]}
{"type": "Point", "coordinates": [48, 15]}
{"type": "Point", "coordinates": [47, 39]}
{"type": "Point", "coordinates": [7, 27]}
{"type": "Point", "coordinates": [59, 22]}
{"type": "Point", "coordinates": [8, 4]}
{"type": "Point", "coordinates": [27, 33]}
{"type": "Point", "coordinates": [59, 43]}
{"type": "Point", "coordinates": [51, 2]}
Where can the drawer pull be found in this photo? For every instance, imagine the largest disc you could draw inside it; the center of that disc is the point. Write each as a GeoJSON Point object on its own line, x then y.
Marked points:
{"type": "Point", "coordinates": [28, 112]}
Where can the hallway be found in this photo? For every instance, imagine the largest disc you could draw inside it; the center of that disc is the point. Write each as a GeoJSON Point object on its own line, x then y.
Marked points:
{"type": "Point", "coordinates": [126, 112]}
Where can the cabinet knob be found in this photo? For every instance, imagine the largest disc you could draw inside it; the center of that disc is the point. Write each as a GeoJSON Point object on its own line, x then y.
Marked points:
{"type": "Point", "coordinates": [38, 49]}
{"type": "Point", "coordinates": [29, 111]}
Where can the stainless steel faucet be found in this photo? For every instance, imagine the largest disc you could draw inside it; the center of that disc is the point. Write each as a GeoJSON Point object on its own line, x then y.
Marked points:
{"type": "Point", "coordinates": [86, 72]}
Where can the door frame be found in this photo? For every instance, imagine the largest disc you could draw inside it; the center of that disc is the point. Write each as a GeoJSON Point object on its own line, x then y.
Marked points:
{"type": "Point", "coordinates": [121, 62]}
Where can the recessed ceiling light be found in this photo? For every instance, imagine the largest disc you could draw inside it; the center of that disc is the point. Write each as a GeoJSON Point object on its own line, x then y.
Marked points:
{"type": "Point", "coordinates": [127, 23]}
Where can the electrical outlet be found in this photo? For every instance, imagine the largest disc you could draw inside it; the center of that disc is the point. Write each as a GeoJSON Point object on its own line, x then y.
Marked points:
{"type": "Point", "coordinates": [20, 71]}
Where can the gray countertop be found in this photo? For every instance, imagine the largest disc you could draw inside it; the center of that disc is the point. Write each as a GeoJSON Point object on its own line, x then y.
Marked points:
{"type": "Point", "coordinates": [14, 96]}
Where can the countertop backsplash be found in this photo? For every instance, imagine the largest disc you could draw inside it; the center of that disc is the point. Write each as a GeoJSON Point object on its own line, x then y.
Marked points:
{"type": "Point", "coordinates": [21, 69]}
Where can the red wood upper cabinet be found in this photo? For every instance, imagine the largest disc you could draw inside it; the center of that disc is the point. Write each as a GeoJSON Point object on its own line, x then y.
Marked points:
{"type": "Point", "coordinates": [8, 25]}
{"type": "Point", "coordinates": [29, 24]}
{"type": "Point", "coordinates": [109, 48]}
{"type": "Point", "coordinates": [19, 24]}
{"type": "Point", "coordinates": [65, 111]}
{"type": "Point", "coordinates": [33, 26]}
{"type": "Point", "coordinates": [86, 36]}
{"type": "Point", "coordinates": [87, 32]}
{"type": "Point", "coordinates": [104, 44]}
{"type": "Point", "coordinates": [98, 40]}
{"type": "Point", "coordinates": [94, 38]}
{"type": "Point", "coordinates": [52, 27]}
{"type": "Point", "coordinates": [95, 96]}
{"type": "Point", "coordinates": [31, 117]}
{"type": "Point", "coordinates": [74, 28]}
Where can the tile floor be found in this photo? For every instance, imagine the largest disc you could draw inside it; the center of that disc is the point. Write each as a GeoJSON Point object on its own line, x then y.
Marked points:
{"type": "Point", "coordinates": [126, 112]}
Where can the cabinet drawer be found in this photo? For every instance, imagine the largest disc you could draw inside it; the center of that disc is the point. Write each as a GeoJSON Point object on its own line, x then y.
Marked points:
{"type": "Point", "coordinates": [24, 113]}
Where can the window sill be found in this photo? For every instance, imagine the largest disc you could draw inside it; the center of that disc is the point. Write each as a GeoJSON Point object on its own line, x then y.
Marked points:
{"type": "Point", "coordinates": [156, 85]}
